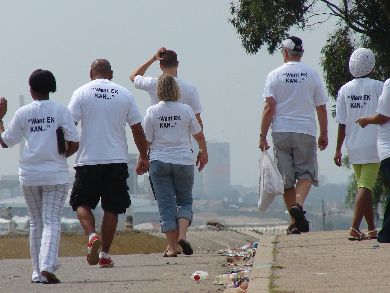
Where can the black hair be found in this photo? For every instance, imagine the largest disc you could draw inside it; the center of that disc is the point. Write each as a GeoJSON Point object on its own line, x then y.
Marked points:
{"type": "Point", "coordinates": [42, 81]}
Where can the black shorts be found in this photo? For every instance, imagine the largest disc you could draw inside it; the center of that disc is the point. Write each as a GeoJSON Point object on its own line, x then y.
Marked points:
{"type": "Point", "coordinates": [106, 181]}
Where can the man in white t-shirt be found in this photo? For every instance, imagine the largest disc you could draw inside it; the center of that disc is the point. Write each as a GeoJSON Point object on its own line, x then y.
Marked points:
{"type": "Point", "coordinates": [168, 65]}
{"type": "Point", "coordinates": [356, 99]}
{"type": "Point", "coordinates": [293, 93]}
{"type": "Point", "coordinates": [104, 108]}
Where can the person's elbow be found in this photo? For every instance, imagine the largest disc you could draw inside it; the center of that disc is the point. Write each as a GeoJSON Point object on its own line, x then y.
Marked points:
{"type": "Point", "coordinates": [383, 119]}
{"type": "Point", "coordinates": [132, 77]}
{"type": "Point", "coordinates": [137, 129]}
{"type": "Point", "coordinates": [199, 119]}
{"type": "Point", "coordinates": [321, 109]}
{"type": "Point", "coordinates": [138, 133]}
{"type": "Point", "coordinates": [75, 145]}
{"type": "Point", "coordinates": [199, 136]}
{"type": "Point", "coordinates": [2, 143]}
{"type": "Point", "coordinates": [269, 108]}
{"type": "Point", "coordinates": [72, 147]}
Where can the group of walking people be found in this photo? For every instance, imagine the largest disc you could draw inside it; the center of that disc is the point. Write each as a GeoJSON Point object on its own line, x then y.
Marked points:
{"type": "Point", "coordinates": [293, 94]}
{"type": "Point", "coordinates": [162, 137]}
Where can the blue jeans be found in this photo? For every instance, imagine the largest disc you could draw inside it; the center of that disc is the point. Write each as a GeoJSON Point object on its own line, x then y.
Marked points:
{"type": "Point", "coordinates": [172, 184]}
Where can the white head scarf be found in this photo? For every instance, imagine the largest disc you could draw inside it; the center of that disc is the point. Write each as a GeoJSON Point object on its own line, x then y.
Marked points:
{"type": "Point", "coordinates": [361, 62]}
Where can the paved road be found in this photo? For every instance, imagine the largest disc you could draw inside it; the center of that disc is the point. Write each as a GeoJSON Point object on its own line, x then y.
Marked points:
{"type": "Point", "coordinates": [131, 273]}
{"type": "Point", "coordinates": [137, 273]}
{"type": "Point", "coordinates": [311, 262]}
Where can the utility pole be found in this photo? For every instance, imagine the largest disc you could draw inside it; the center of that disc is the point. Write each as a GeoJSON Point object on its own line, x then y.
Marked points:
{"type": "Point", "coordinates": [323, 215]}
{"type": "Point", "coordinates": [22, 142]}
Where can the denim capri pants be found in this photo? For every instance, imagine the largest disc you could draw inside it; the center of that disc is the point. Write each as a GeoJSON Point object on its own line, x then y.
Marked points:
{"type": "Point", "coordinates": [172, 185]}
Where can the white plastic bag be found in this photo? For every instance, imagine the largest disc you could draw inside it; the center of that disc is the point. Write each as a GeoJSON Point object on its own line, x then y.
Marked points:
{"type": "Point", "coordinates": [270, 182]}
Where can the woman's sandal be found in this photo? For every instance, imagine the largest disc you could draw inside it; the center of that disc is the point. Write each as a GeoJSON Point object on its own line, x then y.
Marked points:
{"type": "Point", "coordinates": [50, 278]}
{"type": "Point", "coordinates": [186, 247]}
{"type": "Point", "coordinates": [357, 235]}
{"type": "Point", "coordinates": [178, 250]}
{"type": "Point", "coordinates": [373, 234]}
{"type": "Point", "coordinates": [168, 254]}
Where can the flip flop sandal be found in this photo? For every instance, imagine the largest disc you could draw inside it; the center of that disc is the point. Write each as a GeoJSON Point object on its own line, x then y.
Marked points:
{"type": "Point", "coordinates": [166, 254]}
{"type": "Point", "coordinates": [50, 278]}
{"type": "Point", "coordinates": [186, 247]}
{"type": "Point", "coordinates": [178, 250]}
{"type": "Point", "coordinates": [373, 234]}
{"type": "Point", "coordinates": [360, 235]}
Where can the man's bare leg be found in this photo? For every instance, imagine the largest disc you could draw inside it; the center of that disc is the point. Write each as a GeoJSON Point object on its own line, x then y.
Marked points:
{"type": "Point", "coordinates": [302, 190]}
{"type": "Point", "coordinates": [109, 224]}
{"type": "Point", "coordinates": [87, 221]}
{"type": "Point", "coordinates": [296, 211]}
{"type": "Point", "coordinates": [289, 197]}
{"type": "Point", "coordinates": [86, 218]}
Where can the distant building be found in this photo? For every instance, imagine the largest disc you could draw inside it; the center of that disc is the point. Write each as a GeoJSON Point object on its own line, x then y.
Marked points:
{"type": "Point", "coordinates": [198, 189]}
{"type": "Point", "coordinates": [9, 186]}
{"type": "Point", "coordinates": [216, 175]}
{"type": "Point", "coordinates": [322, 179]}
{"type": "Point", "coordinates": [132, 180]}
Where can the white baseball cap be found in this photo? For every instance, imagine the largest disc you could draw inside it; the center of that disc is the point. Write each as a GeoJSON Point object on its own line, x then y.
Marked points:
{"type": "Point", "coordinates": [293, 43]}
{"type": "Point", "coordinates": [361, 62]}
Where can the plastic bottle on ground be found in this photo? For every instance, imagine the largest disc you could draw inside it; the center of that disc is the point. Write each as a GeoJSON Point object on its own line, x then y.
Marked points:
{"type": "Point", "coordinates": [199, 276]}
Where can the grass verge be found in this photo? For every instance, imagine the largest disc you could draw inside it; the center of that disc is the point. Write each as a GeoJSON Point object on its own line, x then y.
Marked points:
{"type": "Point", "coordinates": [74, 244]}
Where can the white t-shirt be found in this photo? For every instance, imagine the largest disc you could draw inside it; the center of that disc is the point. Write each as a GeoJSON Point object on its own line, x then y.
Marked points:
{"type": "Point", "coordinates": [356, 99]}
{"type": "Point", "coordinates": [297, 90]}
{"type": "Point", "coordinates": [188, 93]}
{"type": "Point", "coordinates": [103, 108]}
{"type": "Point", "coordinates": [168, 127]}
{"type": "Point", "coordinates": [384, 129]}
{"type": "Point", "coordinates": [40, 162]}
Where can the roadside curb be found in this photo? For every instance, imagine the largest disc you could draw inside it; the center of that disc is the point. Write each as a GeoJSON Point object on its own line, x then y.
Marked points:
{"type": "Point", "coordinates": [262, 266]}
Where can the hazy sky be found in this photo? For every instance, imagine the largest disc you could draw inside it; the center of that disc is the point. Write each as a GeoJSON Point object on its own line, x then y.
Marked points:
{"type": "Point", "coordinates": [65, 36]}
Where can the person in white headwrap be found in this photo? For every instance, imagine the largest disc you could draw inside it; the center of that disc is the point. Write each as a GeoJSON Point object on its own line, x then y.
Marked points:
{"type": "Point", "coordinates": [356, 99]}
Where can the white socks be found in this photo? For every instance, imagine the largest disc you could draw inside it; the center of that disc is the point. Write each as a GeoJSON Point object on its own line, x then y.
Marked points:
{"type": "Point", "coordinates": [101, 253]}
{"type": "Point", "coordinates": [104, 255]}
{"type": "Point", "coordinates": [91, 235]}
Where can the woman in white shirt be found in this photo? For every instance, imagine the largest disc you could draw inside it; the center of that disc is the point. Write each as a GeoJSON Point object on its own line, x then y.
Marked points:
{"type": "Point", "coordinates": [43, 170]}
{"type": "Point", "coordinates": [356, 99]}
{"type": "Point", "coordinates": [168, 127]}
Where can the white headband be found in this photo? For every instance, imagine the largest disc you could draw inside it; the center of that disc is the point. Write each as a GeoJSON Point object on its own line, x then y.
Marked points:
{"type": "Point", "coordinates": [289, 44]}
{"type": "Point", "coordinates": [361, 62]}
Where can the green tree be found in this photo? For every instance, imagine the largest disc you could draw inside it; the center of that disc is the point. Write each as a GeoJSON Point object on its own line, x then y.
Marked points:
{"type": "Point", "coordinates": [359, 23]}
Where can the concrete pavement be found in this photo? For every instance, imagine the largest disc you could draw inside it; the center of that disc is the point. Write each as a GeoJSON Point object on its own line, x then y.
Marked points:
{"type": "Point", "coordinates": [131, 273]}
{"type": "Point", "coordinates": [136, 272]}
{"type": "Point", "coordinates": [310, 262]}
{"type": "Point", "coordinates": [323, 262]}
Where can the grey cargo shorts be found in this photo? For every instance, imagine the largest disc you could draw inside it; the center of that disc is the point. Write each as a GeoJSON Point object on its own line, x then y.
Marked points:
{"type": "Point", "coordinates": [296, 157]}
